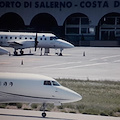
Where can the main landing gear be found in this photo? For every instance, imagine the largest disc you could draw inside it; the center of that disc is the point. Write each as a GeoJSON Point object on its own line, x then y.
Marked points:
{"type": "Point", "coordinates": [16, 53]}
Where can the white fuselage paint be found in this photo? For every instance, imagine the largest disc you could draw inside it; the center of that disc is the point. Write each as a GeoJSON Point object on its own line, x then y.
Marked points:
{"type": "Point", "coordinates": [31, 88]}
{"type": "Point", "coordinates": [21, 40]}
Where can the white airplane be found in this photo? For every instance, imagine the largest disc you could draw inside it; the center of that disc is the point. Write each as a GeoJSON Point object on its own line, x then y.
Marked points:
{"type": "Point", "coordinates": [21, 40]}
{"type": "Point", "coordinates": [3, 51]}
{"type": "Point", "coordinates": [34, 88]}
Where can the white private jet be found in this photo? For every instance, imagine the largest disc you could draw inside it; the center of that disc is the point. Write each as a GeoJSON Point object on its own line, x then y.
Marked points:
{"type": "Point", "coordinates": [21, 40]}
{"type": "Point", "coordinates": [3, 51]}
{"type": "Point", "coordinates": [33, 88]}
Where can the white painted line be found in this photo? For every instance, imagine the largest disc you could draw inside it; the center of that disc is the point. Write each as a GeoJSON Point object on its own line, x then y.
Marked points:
{"type": "Point", "coordinates": [116, 61]}
{"type": "Point", "coordinates": [87, 65]}
{"type": "Point", "coordinates": [59, 64]}
{"type": "Point", "coordinates": [93, 59]}
{"type": "Point", "coordinates": [102, 58]}
{"type": "Point", "coordinates": [110, 57]}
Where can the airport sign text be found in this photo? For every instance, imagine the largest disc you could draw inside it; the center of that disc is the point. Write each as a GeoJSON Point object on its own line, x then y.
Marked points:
{"type": "Point", "coordinates": [59, 4]}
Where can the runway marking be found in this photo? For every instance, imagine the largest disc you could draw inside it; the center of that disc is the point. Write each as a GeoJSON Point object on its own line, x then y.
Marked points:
{"type": "Point", "coordinates": [116, 61]}
{"type": "Point", "coordinates": [93, 59]}
{"type": "Point", "coordinates": [102, 58]}
{"type": "Point", "coordinates": [59, 64]}
{"type": "Point", "coordinates": [110, 56]}
{"type": "Point", "coordinates": [87, 65]}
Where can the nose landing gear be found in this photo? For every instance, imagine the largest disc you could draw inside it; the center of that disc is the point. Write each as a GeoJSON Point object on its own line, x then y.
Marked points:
{"type": "Point", "coordinates": [43, 108]}
{"type": "Point", "coordinates": [61, 52]}
{"type": "Point", "coordinates": [43, 115]}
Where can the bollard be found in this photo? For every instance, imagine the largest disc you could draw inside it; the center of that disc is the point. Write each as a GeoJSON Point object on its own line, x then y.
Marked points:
{"type": "Point", "coordinates": [22, 62]}
{"type": "Point", "coordinates": [84, 53]}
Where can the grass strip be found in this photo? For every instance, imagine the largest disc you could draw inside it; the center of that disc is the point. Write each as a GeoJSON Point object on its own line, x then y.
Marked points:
{"type": "Point", "coordinates": [99, 97]}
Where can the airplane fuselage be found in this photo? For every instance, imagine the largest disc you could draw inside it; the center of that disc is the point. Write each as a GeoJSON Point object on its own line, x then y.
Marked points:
{"type": "Point", "coordinates": [21, 40]}
{"type": "Point", "coordinates": [32, 88]}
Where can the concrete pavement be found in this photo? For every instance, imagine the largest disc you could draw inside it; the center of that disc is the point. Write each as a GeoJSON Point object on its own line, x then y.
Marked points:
{"type": "Point", "coordinates": [8, 114]}
{"type": "Point", "coordinates": [98, 63]}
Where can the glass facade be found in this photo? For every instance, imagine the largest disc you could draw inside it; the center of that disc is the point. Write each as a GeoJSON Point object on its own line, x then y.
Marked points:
{"type": "Point", "coordinates": [110, 27]}
{"type": "Point", "coordinates": [78, 26]}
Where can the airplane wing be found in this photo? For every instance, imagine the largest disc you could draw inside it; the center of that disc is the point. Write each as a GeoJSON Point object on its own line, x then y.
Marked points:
{"type": "Point", "coordinates": [21, 44]}
{"type": "Point", "coordinates": [15, 43]}
{"type": "Point", "coordinates": [3, 51]}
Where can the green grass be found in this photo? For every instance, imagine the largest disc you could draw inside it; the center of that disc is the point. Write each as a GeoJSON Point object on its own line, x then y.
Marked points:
{"type": "Point", "coordinates": [99, 97]}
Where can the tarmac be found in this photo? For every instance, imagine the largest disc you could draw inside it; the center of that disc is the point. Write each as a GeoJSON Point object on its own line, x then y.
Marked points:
{"type": "Point", "coordinates": [8, 114]}
{"type": "Point", "coordinates": [85, 63]}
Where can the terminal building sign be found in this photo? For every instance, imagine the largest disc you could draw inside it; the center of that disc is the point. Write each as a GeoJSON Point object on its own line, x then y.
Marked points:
{"type": "Point", "coordinates": [60, 4]}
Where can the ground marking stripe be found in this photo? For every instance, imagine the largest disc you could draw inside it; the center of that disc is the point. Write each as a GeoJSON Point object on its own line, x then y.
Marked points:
{"type": "Point", "coordinates": [94, 59]}
{"type": "Point", "coordinates": [87, 65]}
{"type": "Point", "coordinates": [59, 64]}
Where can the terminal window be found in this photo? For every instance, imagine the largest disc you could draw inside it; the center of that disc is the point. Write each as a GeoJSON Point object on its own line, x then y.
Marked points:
{"type": "Point", "coordinates": [78, 26]}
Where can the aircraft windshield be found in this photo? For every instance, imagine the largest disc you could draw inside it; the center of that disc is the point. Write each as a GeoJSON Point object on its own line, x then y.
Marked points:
{"type": "Point", "coordinates": [53, 38]}
{"type": "Point", "coordinates": [47, 83]}
{"type": "Point", "coordinates": [55, 83]}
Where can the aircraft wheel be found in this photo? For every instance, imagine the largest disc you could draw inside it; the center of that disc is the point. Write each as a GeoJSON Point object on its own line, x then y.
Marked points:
{"type": "Point", "coordinates": [60, 54]}
{"type": "Point", "coordinates": [43, 115]}
{"type": "Point", "coordinates": [15, 53]}
{"type": "Point", "coordinates": [21, 52]}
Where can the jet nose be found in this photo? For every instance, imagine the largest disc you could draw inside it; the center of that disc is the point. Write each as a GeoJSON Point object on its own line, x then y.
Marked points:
{"type": "Point", "coordinates": [69, 45]}
{"type": "Point", "coordinates": [70, 95]}
{"type": "Point", "coordinates": [63, 44]}
{"type": "Point", "coordinates": [77, 97]}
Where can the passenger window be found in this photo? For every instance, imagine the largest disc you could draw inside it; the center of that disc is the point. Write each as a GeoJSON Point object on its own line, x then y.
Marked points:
{"type": "Point", "coordinates": [45, 39]}
{"type": "Point", "coordinates": [40, 38]}
{"type": "Point", "coordinates": [55, 83]}
{"type": "Point", "coordinates": [47, 83]}
{"type": "Point", "coordinates": [5, 83]}
{"type": "Point", "coordinates": [11, 83]}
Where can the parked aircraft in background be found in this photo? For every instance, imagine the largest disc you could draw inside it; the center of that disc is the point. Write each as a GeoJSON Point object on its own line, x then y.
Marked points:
{"type": "Point", "coordinates": [33, 88]}
{"type": "Point", "coordinates": [21, 40]}
{"type": "Point", "coordinates": [3, 51]}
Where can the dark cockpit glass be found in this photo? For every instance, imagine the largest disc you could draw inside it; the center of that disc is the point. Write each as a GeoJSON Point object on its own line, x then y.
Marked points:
{"type": "Point", "coordinates": [53, 38]}
{"type": "Point", "coordinates": [47, 83]}
{"type": "Point", "coordinates": [55, 83]}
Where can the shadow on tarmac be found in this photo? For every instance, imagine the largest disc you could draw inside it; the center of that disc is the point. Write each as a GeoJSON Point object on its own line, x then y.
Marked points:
{"type": "Point", "coordinates": [33, 116]}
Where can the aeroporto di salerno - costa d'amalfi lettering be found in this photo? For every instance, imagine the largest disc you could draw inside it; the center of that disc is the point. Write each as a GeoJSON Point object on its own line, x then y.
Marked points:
{"type": "Point", "coordinates": [58, 4]}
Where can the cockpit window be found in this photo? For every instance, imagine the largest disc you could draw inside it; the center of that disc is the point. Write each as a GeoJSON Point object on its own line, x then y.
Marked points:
{"type": "Point", "coordinates": [47, 83]}
{"type": "Point", "coordinates": [53, 38]}
{"type": "Point", "coordinates": [55, 83]}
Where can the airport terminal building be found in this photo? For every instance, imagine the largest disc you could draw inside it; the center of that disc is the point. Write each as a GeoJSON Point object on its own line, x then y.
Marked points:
{"type": "Point", "coordinates": [81, 22]}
